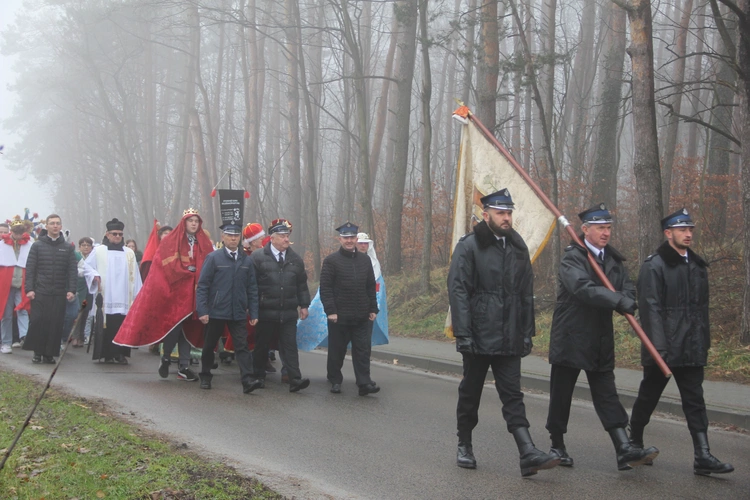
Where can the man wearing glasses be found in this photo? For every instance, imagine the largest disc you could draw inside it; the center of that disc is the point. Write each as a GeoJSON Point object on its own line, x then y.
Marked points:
{"type": "Point", "coordinates": [112, 270]}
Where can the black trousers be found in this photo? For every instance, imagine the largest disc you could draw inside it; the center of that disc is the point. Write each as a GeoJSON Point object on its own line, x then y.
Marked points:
{"type": "Point", "coordinates": [689, 381]}
{"type": "Point", "coordinates": [287, 332]}
{"type": "Point", "coordinates": [339, 336]}
{"type": "Point", "coordinates": [213, 332]}
{"type": "Point", "coordinates": [45, 324]}
{"type": "Point", "coordinates": [507, 373]}
{"type": "Point", "coordinates": [177, 337]}
{"type": "Point", "coordinates": [109, 349]}
{"type": "Point", "coordinates": [603, 393]}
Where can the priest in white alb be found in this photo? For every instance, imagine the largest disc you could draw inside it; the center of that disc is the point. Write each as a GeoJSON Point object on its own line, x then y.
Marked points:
{"type": "Point", "coordinates": [112, 270]}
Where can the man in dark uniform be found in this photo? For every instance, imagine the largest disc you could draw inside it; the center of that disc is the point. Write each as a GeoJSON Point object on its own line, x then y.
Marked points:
{"type": "Point", "coordinates": [673, 298]}
{"type": "Point", "coordinates": [284, 297]}
{"type": "Point", "coordinates": [226, 295]}
{"type": "Point", "coordinates": [491, 293]}
{"type": "Point", "coordinates": [582, 338]}
{"type": "Point", "coordinates": [347, 291]}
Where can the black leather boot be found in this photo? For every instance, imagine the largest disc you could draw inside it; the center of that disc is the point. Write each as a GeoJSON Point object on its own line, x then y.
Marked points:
{"type": "Point", "coordinates": [532, 459]}
{"type": "Point", "coordinates": [636, 439]}
{"type": "Point", "coordinates": [205, 380]}
{"type": "Point", "coordinates": [558, 450]}
{"type": "Point", "coordinates": [465, 455]}
{"type": "Point", "coordinates": [629, 456]}
{"type": "Point", "coordinates": [705, 463]}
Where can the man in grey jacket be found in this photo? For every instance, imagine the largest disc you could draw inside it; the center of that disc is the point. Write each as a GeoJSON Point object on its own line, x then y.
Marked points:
{"type": "Point", "coordinates": [227, 295]}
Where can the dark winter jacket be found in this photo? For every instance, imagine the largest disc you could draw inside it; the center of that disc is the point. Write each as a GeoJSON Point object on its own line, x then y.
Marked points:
{"type": "Point", "coordinates": [281, 290]}
{"type": "Point", "coordinates": [673, 303]}
{"type": "Point", "coordinates": [491, 292]}
{"type": "Point", "coordinates": [227, 288]}
{"type": "Point", "coordinates": [51, 268]}
{"type": "Point", "coordinates": [582, 335]}
{"type": "Point", "coordinates": [347, 286]}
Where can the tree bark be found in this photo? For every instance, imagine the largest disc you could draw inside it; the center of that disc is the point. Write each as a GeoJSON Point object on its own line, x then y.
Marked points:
{"type": "Point", "coordinates": [406, 11]}
{"type": "Point", "coordinates": [678, 80]}
{"type": "Point", "coordinates": [604, 185]}
{"type": "Point", "coordinates": [646, 148]}
{"type": "Point", "coordinates": [743, 61]}
{"type": "Point", "coordinates": [426, 140]}
{"type": "Point", "coordinates": [489, 65]}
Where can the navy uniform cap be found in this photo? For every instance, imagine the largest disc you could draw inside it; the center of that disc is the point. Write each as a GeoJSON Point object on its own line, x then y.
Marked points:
{"type": "Point", "coordinates": [598, 214]}
{"type": "Point", "coordinates": [680, 218]}
{"type": "Point", "coordinates": [348, 229]}
{"type": "Point", "coordinates": [231, 227]}
{"type": "Point", "coordinates": [280, 226]}
{"type": "Point", "coordinates": [500, 200]}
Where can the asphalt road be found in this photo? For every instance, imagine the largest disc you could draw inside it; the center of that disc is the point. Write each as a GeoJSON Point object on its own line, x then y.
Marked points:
{"type": "Point", "coordinates": [397, 444]}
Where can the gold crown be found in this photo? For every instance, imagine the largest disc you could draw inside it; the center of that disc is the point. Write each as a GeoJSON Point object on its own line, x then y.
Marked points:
{"type": "Point", "coordinates": [17, 221]}
{"type": "Point", "coordinates": [190, 211]}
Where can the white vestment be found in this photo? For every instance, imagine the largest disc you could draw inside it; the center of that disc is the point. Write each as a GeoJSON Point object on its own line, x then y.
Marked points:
{"type": "Point", "coordinates": [120, 278]}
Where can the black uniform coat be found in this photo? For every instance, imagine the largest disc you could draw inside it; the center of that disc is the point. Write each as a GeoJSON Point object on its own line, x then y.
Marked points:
{"type": "Point", "coordinates": [491, 292]}
{"type": "Point", "coordinates": [347, 286]}
{"type": "Point", "coordinates": [51, 268]}
{"type": "Point", "coordinates": [673, 303]}
{"type": "Point", "coordinates": [281, 289]}
{"type": "Point", "coordinates": [582, 335]}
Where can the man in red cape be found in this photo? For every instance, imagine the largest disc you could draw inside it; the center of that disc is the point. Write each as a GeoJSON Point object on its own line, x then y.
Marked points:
{"type": "Point", "coordinates": [165, 306]}
{"type": "Point", "coordinates": [14, 250]}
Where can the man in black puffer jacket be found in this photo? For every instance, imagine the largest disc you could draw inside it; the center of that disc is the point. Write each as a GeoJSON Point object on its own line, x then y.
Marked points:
{"type": "Point", "coordinates": [347, 292]}
{"type": "Point", "coordinates": [582, 338]}
{"type": "Point", "coordinates": [51, 276]}
{"type": "Point", "coordinates": [491, 294]}
{"type": "Point", "coordinates": [673, 298]}
{"type": "Point", "coordinates": [282, 288]}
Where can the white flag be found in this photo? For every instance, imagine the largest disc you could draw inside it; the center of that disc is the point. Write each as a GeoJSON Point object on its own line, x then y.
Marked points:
{"type": "Point", "coordinates": [483, 169]}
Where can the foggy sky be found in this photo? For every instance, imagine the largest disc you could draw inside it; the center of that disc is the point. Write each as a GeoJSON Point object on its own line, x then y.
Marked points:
{"type": "Point", "coordinates": [18, 190]}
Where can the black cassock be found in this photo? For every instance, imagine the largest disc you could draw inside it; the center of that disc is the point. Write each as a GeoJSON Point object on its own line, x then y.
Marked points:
{"type": "Point", "coordinates": [46, 324]}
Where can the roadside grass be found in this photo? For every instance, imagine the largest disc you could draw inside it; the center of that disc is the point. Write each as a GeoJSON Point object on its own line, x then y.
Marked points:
{"type": "Point", "coordinates": [412, 313]}
{"type": "Point", "coordinates": [75, 449]}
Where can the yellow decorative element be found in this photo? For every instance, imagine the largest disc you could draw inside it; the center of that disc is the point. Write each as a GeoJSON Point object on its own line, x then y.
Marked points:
{"type": "Point", "coordinates": [190, 211]}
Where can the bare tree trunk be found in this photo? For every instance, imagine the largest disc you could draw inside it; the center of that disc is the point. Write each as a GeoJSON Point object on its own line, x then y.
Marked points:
{"type": "Point", "coordinates": [604, 185]}
{"type": "Point", "coordinates": [294, 198]}
{"type": "Point", "coordinates": [469, 52]}
{"type": "Point", "coordinates": [743, 61]}
{"type": "Point", "coordinates": [678, 80]}
{"type": "Point", "coordinates": [381, 116]}
{"type": "Point", "coordinates": [406, 11]}
{"type": "Point", "coordinates": [489, 65]}
{"type": "Point", "coordinates": [721, 120]}
{"type": "Point", "coordinates": [426, 139]}
{"type": "Point", "coordinates": [311, 188]}
{"type": "Point", "coordinates": [695, 94]}
{"type": "Point", "coordinates": [646, 150]}
{"type": "Point", "coordinates": [184, 158]}
{"type": "Point", "coordinates": [363, 120]}
{"type": "Point", "coordinates": [204, 182]}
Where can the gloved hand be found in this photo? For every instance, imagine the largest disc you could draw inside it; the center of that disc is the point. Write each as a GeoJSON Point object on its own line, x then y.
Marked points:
{"type": "Point", "coordinates": [626, 306]}
{"type": "Point", "coordinates": [465, 345]}
{"type": "Point", "coordinates": [527, 346]}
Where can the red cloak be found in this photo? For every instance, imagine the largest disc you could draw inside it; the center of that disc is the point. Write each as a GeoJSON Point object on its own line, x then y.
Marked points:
{"type": "Point", "coordinates": [168, 295]}
{"type": "Point", "coordinates": [148, 253]}
{"type": "Point", "coordinates": [8, 262]}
